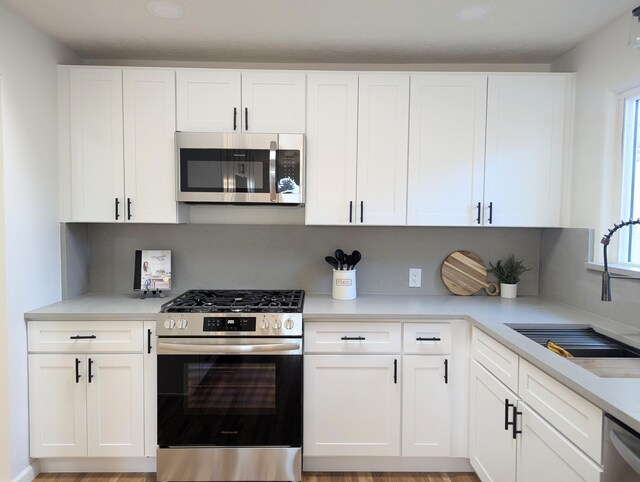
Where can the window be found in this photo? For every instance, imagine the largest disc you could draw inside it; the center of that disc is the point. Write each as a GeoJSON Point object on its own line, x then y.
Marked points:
{"type": "Point", "coordinates": [629, 250]}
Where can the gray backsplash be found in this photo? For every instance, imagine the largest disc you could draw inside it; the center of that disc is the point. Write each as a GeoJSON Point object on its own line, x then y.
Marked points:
{"type": "Point", "coordinates": [564, 278]}
{"type": "Point", "coordinates": [279, 257]}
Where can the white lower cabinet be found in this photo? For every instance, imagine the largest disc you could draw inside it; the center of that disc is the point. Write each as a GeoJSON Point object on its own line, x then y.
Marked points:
{"type": "Point", "coordinates": [150, 363]}
{"type": "Point", "coordinates": [86, 403]}
{"type": "Point", "coordinates": [511, 440]}
{"type": "Point", "coordinates": [352, 405]}
{"type": "Point", "coordinates": [426, 406]}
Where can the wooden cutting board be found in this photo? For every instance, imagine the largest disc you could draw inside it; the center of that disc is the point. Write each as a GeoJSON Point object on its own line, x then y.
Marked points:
{"type": "Point", "coordinates": [464, 273]}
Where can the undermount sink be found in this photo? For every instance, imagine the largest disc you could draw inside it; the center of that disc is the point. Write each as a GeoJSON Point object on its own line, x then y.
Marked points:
{"type": "Point", "coordinates": [598, 353]}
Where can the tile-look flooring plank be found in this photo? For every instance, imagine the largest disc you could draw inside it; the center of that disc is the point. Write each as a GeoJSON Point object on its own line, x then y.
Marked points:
{"type": "Point", "coordinates": [306, 477]}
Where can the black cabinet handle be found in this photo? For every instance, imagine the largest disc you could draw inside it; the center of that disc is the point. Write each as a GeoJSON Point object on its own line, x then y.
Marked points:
{"type": "Point", "coordinates": [128, 209]}
{"type": "Point", "coordinates": [117, 209]}
{"type": "Point", "coordinates": [90, 374]}
{"type": "Point", "coordinates": [362, 211]}
{"type": "Point", "coordinates": [246, 118]}
{"type": "Point", "coordinates": [507, 405]}
{"type": "Point", "coordinates": [431, 338]}
{"type": "Point", "coordinates": [148, 341]}
{"type": "Point", "coordinates": [446, 370]}
{"type": "Point", "coordinates": [350, 211]}
{"type": "Point", "coordinates": [491, 213]}
{"type": "Point", "coordinates": [83, 337]}
{"type": "Point", "coordinates": [356, 338]}
{"type": "Point", "coordinates": [515, 421]}
{"type": "Point", "coordinates": [478, 217]}
{"type": "Point", "coordinates": [77, 370]}
{"type": "Point", "coordinates": [395, 371]}
{"type": "Point", "coordinates": [235, 118]}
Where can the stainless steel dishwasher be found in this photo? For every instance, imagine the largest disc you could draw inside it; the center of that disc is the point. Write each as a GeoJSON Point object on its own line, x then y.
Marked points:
{"type": "Point", "coordinates": [621, 457]}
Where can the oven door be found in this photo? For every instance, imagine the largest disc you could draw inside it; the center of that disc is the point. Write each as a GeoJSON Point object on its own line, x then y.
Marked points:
{"type": "Point", "coordinates": [229, 392]}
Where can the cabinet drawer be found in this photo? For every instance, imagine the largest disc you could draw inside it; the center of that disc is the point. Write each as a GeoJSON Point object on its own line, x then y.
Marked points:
{"type": "Point", "coordinates": [427, 338]}
{"type": "Point", "coordinates": [348, 337]}
{"type": "Point", "coordinates": [499, 360]}
{"type": "Point", "coordinates": [86, 336]}
{"type": "Point", "coordinates": [576, 418]}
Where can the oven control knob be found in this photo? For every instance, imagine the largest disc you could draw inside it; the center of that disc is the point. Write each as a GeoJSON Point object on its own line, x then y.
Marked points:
{"type": "Point", "coordinates": [278, 324]}
{"type": "Point", "coordinates": [182, 323]}
{"type": "Point", "coordinates": [265, 324]}
{"type": "Point", "coordinates": [288, 324]}
{"type": "Point", "coordinates": [169, 324]}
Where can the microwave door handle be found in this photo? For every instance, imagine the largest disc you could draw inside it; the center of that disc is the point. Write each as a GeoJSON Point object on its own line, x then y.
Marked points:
{"type": "Point", "coordinates": [272, 171]}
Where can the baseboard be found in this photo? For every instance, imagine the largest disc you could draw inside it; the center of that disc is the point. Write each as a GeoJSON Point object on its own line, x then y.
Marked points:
{"type": "Point", "coordinates": [29, 473]}
{"type": "Point", "coordinates": [98, 464]}
{"type": "Point", "coordinates": [386, 464]}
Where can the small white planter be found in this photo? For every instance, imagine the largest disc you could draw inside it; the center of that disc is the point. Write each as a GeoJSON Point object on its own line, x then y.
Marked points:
{"type": "Point", "coordinates": [508, 290]}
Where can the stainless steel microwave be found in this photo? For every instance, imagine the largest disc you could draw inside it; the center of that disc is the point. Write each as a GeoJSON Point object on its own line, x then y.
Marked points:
{"type": "Point", "coordinates": [240, 168]}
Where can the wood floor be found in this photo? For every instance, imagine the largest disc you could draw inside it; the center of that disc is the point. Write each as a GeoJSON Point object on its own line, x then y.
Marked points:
{"type": "Point", "coordinates": [306, 477]}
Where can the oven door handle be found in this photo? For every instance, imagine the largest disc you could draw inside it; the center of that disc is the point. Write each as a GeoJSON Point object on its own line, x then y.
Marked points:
{"type": "Point", "coordinates": [178, 348]}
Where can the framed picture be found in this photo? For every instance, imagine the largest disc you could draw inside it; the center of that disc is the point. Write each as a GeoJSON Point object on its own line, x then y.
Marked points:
{"type": "Point", "coordinates": [152, 270]}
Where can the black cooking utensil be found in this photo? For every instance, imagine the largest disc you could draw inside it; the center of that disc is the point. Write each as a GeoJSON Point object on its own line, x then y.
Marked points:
{"type": "Point", "coordinates": [348, 259]}
{"type": "Point", "coordinates": [332, 261]}
{"type": "Point", "coordinates": [356, 256]}
{"type": "Point", "coordinates": [340, 257]}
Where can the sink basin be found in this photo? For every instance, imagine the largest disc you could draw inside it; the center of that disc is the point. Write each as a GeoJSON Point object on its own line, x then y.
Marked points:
{"type": "Point", "coordinates": [581, 342]}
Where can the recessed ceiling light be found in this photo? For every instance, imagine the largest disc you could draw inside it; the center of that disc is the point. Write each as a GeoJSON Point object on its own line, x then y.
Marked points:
{"type": "Point", "coordinates": [474, 13]}
{"type": "Point", "coordinates": [165, 10]}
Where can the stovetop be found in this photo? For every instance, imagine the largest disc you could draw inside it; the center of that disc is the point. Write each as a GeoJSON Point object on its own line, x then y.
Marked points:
{"type": "Point", "coordinates": [236, 301]}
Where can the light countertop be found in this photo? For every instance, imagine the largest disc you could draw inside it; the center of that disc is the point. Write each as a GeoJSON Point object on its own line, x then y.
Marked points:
{"type": "Point", "coordinates": [618, 396]}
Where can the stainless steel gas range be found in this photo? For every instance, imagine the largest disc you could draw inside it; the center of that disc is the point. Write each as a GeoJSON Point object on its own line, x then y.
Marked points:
{"type": "Point", "coordinates": [230, 386]}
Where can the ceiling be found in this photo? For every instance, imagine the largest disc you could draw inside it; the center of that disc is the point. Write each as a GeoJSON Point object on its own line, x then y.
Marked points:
{"type": "Point", "coordinates": [351, 31]}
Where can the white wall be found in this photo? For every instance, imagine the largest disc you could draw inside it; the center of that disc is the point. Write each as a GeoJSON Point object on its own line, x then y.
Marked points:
{"type": "Point", "coordinates": [28, 62]}
{"type": "Point", "coordinates": [605, 67]}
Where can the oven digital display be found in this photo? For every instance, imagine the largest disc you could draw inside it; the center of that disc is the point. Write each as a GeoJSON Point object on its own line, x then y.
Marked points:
{"type": "Point", "coordinates": [229, 323]}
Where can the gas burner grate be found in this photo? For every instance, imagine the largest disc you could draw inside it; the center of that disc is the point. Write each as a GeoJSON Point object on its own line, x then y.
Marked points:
{"type": "Point", "coordinates": [236, 301]}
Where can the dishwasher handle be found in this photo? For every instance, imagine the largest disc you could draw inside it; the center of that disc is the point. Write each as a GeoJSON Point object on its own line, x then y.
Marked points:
{"type": "Point", "coordinates": [632, 458]}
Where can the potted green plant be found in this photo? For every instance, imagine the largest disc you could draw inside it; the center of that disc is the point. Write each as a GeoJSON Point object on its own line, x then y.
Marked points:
{"type": "Point", "coordinates": [508, 272]}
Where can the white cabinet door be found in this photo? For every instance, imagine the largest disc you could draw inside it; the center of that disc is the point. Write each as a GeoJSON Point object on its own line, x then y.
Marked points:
{"type": "Point", "coordinates": [446, 149]}
{"type": "Point", "coordinates": [115, 415]}
{"type": "Point", "coordinates": [383, 124]}
{"type": "Point", "coordinates": [57, 406]}
{"type": "Point", "coordinates": [492, 449]}
{"type": "Point", "coordinates": [426, 406]}
{"type": "Point", "coordinates": [352, 405]}
{"type": "Point", "coordinates": [149, 149]}
{"type": "Point", "coordinates": [332, 139]}
{"type": "Point", "coordinates": [208, 100]}
{"type": "Point", "coordinates": [273, 102]}
{"type": "Point", "coordinates": [544, 454]}
{"type": "Point", "coordinates": [150, 365]}
{"type": "Point", "coordinates": [526, 117]}
{"type": "Point", "coordinates": [96, 136]}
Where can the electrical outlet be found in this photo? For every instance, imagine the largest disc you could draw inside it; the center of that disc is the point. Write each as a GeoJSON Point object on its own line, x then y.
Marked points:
{"type": "Point", "coordinates": [415, 277]}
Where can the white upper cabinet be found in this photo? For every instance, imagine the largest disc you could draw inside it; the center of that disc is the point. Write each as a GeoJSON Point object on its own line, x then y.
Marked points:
{"type": "Point", "coordinates": [446, 149]}
{"type": "Point", "coordinates": [273, 102]}
{"type": "Point", "coordinates": [526, 134]}
{"type": "Point", "coordinates": [254, 101]}
{"type": "Point", "coordinates": [149, 132]}
{"type": "Point", "coordinates": [208, 100]}
{"type": "Point", "coordinates": [96, 144]}
{"type": "Point", "coordinates": [120, 163]}
{"type": "Point", "coordinates": [332, 139]}
{"type": "Point", "coordinates": [383, 124]}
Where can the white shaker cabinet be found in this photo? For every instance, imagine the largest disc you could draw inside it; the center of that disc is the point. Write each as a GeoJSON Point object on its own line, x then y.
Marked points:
{"type": "Point", "coordinates": [88, 401]}
{"type": "Point", "coordinates": [332, 140]}
{"type": "Point", "coordinates": [352, 405]}
{"type": "Point", "coordinates": [118, 163]}
{"type": "Point", "coordinates": [233, 101]}
{"type": "Point", "coordinates": [383, 125]}
{"type": "Point", "coordinates": [150, 365]}
{"type": "Point", "coordinates": [526, 146]}
{"type": "Point", "coordinates": [357, 149]}
{"type": "Point", "coordinates": [446, 149]}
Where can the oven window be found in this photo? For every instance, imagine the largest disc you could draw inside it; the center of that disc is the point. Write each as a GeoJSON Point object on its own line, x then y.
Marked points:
{"type": "Point", "coordinates": [230, 388]}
